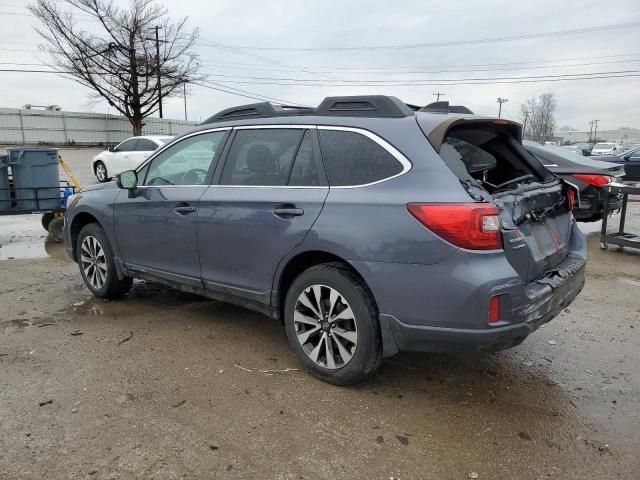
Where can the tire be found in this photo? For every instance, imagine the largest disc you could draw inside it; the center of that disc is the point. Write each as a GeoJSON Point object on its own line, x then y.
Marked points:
{"type": "Point", "coordinates": [99, 272]}
{"type": "Point", "coordinates": [46, 219]}
{"type": "Point", "coordinates": [100, 170]}
{"type": "Point", "coordinates": [353, 333]}
{"type": "Point", "coordinates": [55, 228]}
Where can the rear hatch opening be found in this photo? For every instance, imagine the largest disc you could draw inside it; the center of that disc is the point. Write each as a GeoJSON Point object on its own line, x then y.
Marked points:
{"type": "Point", "coordinates": [535, 206]}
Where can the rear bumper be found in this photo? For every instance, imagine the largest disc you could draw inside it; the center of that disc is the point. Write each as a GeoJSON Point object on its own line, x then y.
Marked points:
{"type": "Point", "coordinates": [546, 300]}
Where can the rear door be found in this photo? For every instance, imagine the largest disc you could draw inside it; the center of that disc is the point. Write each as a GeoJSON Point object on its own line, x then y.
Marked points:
{"type": "Point", "coordinates": [632, 165]}
{"type": "Point", "coordinates": [156, 229]}
{"type": "Point", "coordinates": [269, 192]}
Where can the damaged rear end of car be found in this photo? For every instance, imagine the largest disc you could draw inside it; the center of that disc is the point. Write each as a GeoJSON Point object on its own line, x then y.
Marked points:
{"type": "Point", "coordinates": [524, 213]}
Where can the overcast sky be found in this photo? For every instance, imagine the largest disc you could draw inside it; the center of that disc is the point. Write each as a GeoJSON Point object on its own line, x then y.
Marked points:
{"type": "Point", "coordinates": [321, 24]}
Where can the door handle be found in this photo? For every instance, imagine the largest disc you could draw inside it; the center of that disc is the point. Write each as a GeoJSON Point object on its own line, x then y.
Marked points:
{"type": "Point", "coordinates": [184, 210]}
{"type": "Point", "coordinates": [288, 212]}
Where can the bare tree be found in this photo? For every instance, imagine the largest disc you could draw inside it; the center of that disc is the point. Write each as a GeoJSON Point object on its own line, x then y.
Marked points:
{"type": "Point", "coordinates": [118, 59]}
{"type": "Point", "coordinates": [538, 117]}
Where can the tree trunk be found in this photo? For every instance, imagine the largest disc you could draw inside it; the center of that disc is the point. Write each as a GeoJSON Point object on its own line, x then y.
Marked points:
{"type": "Point", "coordinates": [136, 123]}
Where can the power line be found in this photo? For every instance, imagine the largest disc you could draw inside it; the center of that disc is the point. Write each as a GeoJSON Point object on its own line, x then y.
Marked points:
{"type": "Point", "coordinates": [459, 81]}
{"type": "Point", "coordinates": [530, 36]}
{"type": "Point", "coordinates": [246, 94]}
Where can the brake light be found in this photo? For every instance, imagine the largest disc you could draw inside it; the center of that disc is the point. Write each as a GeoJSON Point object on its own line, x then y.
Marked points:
{"type": "Point", "coordinates": [494, 309]}
{"type": "Point", "coordinates": [475, 226]}
{"type": "Point", "coordinates": [594, 180]}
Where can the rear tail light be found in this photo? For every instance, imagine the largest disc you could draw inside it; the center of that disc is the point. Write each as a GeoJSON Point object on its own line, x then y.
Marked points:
{"type": "Point", "coordinates": [494, 309]}
{"type": "Point", "coordinates": [475, 226]}
{"type": "Point", "coordinates": [594, 180]}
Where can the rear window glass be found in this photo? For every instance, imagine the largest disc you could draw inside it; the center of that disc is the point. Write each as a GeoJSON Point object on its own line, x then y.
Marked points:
{"type": "Point", "coordinates": [352, 159]}
{"type": "Point", "coordinates": [491, 156]}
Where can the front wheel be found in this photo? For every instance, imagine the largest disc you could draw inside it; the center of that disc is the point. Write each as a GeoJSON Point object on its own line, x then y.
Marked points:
{"type": "Point", "coordinates": [97, 267]}
{"type": "Point", "coordinates": [101, 172]}
{"type": "Point", "coordinates": [332, 325]}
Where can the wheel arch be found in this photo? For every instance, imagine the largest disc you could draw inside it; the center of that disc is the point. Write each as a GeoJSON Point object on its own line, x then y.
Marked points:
{"type": "Point", "coordinates": [79, 221]}
{"type": "Point", "coordinates": [301, 261]}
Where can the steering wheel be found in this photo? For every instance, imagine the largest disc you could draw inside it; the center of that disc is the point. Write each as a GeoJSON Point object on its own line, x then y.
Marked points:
{"type": "Point", "coordinates": [195, 176]}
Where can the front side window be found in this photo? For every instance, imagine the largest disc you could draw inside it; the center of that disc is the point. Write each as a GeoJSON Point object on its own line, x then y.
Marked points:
{"type": "Point", "coordinates": [186, 162]}
{"type": "Point", "coordinates": [127, 145]}
{"type": "Point", "coordinates": [264, 156]}
{"type": "Point", "coordinates": [353, 159]}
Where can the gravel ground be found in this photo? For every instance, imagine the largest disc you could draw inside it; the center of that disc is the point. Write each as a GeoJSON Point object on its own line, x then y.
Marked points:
{"type": "Point", "coordinates": [167, 385]}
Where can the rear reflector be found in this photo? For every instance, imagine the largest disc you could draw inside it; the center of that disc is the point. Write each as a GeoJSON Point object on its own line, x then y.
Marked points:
{"type": "Point", "coordinates": [571, 198]}
{"type": "Point", "coordinates": [475, 226]}
{"type": "Point", "coordinates": [594, 180]}
{"type": "Point", "coordinates": [494, 309]}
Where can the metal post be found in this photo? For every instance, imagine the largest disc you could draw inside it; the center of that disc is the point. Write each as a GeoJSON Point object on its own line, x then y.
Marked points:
{"type": "Point", "coordinates": [184, 93]}
{"type": "Point", "coordinates": [158, 72]}
{"type": "Point", "coordinates": [21, 127]}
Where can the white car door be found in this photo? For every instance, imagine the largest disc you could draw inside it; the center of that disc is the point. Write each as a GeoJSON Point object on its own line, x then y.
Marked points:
{"type": "Point", "coordinates": [144, 148]}
{"type": "Point", "coordinates": [121, 157]}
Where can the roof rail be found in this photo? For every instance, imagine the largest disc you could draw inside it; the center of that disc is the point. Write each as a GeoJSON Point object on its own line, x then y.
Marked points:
{"type": "Point", "coordinates": [444, 107]}
{"type": "Point", "coordinates": [350, 106]}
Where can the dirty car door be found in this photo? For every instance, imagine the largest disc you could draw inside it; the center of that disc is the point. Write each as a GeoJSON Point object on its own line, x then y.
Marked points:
{"type": "Point", "coordinates": [270, 191]}
{"type": "Point", "coordinates": [156, 230]}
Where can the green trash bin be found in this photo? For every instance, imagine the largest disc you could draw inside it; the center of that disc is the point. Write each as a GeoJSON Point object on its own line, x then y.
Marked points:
{"type": "Point", "coordinates": [36, 178]}
{"type": "Point", "coordinates": [5, 196]}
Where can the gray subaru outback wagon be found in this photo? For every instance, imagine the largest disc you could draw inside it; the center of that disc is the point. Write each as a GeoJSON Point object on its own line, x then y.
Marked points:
{"type": "Point", "coordinates": [366, 225]}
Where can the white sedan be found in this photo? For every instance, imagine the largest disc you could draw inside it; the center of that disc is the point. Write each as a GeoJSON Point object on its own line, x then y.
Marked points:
{"type": "Point", "coordinates": [126, 156]}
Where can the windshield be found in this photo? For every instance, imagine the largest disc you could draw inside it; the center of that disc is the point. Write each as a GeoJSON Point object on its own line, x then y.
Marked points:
{"type": "Point", "coordinates": [603, 145]}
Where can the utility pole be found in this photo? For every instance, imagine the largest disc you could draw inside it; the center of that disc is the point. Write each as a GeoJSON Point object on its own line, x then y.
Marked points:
{"type": "Point", "coordinates": [524, 125]}
{"type": "Point", "coordinates": [437, 95]}
{"type": "Point", "coordinates": [590, 130]}
{"type": "Point", "coordinates": [501, 101]}
{"type": "Point", "coordinates": [158, 71]}
{"type": "Point", "coordinates": [184, 93]}
{"type": "Point", "coordinates": [595, 131]}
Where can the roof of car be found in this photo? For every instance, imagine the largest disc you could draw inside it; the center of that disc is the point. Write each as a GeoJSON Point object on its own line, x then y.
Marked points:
{"type": "Point", "coordinates": [435, 119]}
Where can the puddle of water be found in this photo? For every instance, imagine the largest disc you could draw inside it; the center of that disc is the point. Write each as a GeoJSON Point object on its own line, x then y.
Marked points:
{"type": "Point", "coordinates": [32, 249]}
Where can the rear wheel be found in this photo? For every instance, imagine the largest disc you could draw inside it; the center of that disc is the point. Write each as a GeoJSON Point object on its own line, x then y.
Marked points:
{"type": "Point", "coordinates": [100, 170]}
{"type": "Point", "coordinates": [97, 267]}
{"type": "Point", "coordinates": [55, 228]}
{"type": "Point", "coordinates": [332, 325]}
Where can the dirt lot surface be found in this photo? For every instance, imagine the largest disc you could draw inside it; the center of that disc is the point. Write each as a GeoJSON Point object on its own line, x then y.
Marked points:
{"type": "Point", "coordinates": [165, 385]}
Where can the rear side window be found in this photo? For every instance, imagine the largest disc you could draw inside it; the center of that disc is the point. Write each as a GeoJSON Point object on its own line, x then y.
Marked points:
{"type": "Point", "coordinates": [264, 157]}
{"type": "Point", "coordinates": [352, 159]}
{"type": "Point", "coordinates": [127, 146]}
{"type": "Point", "coordinates": [145, 145]}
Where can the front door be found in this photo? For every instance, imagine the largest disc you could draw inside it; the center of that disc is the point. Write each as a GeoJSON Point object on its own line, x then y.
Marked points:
{"type": "Point", "coordinates": [156, 230]}
{"type": "Point", "coordinates": [269, 193]}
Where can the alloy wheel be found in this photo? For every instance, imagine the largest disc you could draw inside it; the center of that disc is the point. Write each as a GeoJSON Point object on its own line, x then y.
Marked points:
{"type": "Point", "coordinates": [325, 326]}
{"type": "Point", "coordinates": [93, 262]}
{"type": "Point", "coordinates": [101, 172]}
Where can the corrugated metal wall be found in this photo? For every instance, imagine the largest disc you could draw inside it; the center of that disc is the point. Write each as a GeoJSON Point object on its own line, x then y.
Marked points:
{"type": "Point", "coordinates": [48, 127]}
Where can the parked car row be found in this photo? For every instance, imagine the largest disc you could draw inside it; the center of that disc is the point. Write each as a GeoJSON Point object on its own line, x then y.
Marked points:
{"type": "Point", "coordinates": [367, 227]}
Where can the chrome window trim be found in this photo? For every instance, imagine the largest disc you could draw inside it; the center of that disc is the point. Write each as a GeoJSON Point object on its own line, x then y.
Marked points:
{"type": "Point", "coordinates": [406, 164]}
{"type": "Point", "coordinates": [404, 161]}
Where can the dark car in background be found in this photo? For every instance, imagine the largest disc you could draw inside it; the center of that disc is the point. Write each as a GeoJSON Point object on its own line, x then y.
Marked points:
{"type": "Point", "coordinates": [366, 227]}
{"type": "Point", "coordinates": [629, 159]}
{"type": "Point", "coordinates": [588, 175]}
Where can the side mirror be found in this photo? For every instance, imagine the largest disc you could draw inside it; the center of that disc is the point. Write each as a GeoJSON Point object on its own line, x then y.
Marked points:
{"type": "Point", "coordinates": [128, 180]}
{"type": "Point", "coordinates": [111, 149]}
